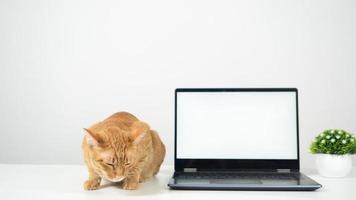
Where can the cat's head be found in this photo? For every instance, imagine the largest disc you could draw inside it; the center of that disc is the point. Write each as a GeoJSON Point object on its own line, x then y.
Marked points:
{"type": "Point", "coordinates": [113, 151]}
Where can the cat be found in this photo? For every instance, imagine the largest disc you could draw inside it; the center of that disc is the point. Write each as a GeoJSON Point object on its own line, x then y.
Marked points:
{"type": "Point", "coordinates": [121, 149]}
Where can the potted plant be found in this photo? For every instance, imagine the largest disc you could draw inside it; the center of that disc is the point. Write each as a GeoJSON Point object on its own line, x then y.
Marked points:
{"type": "Point", "coordinates": [334, 148]}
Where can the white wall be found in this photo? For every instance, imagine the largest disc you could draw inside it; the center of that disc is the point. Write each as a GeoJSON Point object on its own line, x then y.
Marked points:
{"type": "Point", "coordinates": [66, 64]}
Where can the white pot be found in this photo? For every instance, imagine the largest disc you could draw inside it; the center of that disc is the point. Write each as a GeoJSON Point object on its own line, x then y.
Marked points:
{"type": "Point", "coordinates": [333, 165]}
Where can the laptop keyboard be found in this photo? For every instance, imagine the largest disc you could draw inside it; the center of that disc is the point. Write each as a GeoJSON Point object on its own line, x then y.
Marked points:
{"type": "Point", "coordinates": [237, 175]}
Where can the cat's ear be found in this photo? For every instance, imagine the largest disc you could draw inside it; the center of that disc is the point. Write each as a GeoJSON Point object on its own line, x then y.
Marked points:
{"type": "Point", "coordinates": [138, 131]}
{"type": "Point", "coordinates": [92, 138]}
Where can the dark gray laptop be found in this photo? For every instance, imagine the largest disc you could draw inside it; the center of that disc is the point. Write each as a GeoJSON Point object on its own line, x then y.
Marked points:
{"type": "Point", "coordinates": [237, 139]}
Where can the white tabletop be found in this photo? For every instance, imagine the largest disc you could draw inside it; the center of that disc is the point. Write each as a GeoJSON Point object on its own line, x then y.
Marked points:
{"type": "Point", "coordinates": [66, 182]}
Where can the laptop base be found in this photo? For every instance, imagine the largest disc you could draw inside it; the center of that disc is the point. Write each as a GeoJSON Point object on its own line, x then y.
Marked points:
{"type": "Point", "coordinates": [293, 181]}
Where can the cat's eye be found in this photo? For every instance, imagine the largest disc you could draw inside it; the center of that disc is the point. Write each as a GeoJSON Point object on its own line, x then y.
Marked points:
{"type": "Point", "coordinates": [105, 163]}
{"type": "Point", "coordinates": [109, 164]}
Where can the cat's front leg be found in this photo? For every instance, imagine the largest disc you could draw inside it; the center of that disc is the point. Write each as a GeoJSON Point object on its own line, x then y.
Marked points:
{"type": "Point", "coordinates": [93, 181]}
{"type": "Point", "coordinates": [131, 182]}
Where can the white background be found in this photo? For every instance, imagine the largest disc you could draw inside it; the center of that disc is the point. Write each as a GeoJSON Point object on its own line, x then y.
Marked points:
{"type": "Point", "coordinates": [67, 64]}
{"type": "Point", "coordinates": [237, 125]}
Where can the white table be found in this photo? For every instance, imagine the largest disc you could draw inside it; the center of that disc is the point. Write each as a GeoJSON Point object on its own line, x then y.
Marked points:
{"type": "Point", "coordinates": [65, 182]}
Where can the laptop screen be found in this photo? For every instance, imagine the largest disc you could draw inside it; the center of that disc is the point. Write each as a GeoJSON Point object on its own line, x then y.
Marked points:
{"type": "Point", "coordinates": [236, 125]}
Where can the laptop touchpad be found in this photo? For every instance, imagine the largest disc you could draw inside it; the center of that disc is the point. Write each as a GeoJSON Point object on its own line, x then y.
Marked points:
{"type": "Point", "coordinates": [235, 181]}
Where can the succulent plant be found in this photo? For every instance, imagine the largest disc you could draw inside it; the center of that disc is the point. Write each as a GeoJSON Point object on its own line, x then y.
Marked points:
{"type": "Point", "coordinates": [334, 141]}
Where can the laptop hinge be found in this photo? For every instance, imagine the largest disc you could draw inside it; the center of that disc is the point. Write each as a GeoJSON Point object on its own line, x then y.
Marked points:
{"type": "Point", "coordinates": [190, 169]}
{"type": "Point", "coordinates": [283, 170]}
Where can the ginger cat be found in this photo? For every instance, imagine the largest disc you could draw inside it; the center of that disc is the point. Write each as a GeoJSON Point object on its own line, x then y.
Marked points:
{"type": "Point", "coordinates": [121, 148]}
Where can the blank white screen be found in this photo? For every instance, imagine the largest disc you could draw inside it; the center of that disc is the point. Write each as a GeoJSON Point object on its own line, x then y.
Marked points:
{"type": "Point", "coordinates": [236, 125]}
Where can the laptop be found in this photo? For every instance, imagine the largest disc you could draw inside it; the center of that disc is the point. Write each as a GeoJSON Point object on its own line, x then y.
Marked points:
{"type": "Point", "coordinates": [237, 139]}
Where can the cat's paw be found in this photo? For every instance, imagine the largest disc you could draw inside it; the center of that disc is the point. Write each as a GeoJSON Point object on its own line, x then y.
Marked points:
{"type": "Point", "coordinates": [144, 179]}
{"type": "Point", "coordinates": [91, 184]}
{"type": "Point", "coordinates": [130, 185]}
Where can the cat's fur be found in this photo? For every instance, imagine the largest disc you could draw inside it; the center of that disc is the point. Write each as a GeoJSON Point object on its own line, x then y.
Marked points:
{"type": "Point", "coordinates": [121, 149]}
